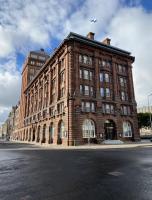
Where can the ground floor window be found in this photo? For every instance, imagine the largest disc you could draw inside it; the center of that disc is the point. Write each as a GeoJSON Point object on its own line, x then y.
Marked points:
{"type": "Point", "coordinates": [127, 129]}
{"type": "Point", "coordinates": [88, 129]}
{"type": "Point", "coordinates": [61, 129]}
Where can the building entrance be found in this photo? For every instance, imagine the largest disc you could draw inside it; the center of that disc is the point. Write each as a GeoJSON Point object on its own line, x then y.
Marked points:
{"type": "Point", "coordinates": [110, 130]}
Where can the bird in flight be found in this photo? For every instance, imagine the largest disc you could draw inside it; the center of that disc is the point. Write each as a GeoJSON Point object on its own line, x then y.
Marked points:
{"type": "Point", "coordinates": [93, 20]}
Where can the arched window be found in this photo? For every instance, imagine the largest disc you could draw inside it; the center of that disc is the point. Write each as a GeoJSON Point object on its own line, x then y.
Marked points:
{"type": "Point", "coordinates": [88, 129]}
{"type": "Point", "coordinates": [61, 129]}
{"type": "Point", "coordinates": [127, 129]}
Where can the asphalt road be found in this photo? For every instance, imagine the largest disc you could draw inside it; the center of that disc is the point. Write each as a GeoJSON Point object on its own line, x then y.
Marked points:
{"type": "Point", "coordinates": [38, 174]}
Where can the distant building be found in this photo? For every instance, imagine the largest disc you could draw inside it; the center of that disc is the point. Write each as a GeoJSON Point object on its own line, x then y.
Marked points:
{"type": "Point", "coordinates": [0, 132]}
{"type": "Point", "coordinates": [16, 122]}
{"type": "Point", "coordinates": [144, 109]}
{"type": "Point", "coordinates": [5, 130]}
{"type": "Point", "coordinates": [84, 90]}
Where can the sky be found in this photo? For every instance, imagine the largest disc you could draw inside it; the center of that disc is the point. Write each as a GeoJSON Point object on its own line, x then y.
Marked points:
{"type": "Point", "coordinates": [30, 25]}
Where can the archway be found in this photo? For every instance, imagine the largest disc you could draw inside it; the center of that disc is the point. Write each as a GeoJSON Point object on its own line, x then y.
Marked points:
{"type": "Point", "coordinates": [38, 134]}
{"type": "Point", "coordinates": [26, 137]}
{"type": "Point", "coordinates": [60, 132]}
{"type": "Point", "coordinates": [44, 133]}
{"type": "Point", "coordinates": [110, 130]}
{"type": "Point", "coordinates": [29, 139]}
{"type": "Point", "coordinates": [51, 131]}
{"type": "Point", "coordinates": [33, 136]}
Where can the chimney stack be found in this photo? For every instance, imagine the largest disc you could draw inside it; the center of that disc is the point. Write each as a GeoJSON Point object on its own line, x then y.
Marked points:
{"type": "Point", "coordinates": [106, 41]}
{"type": "Point", "coordinates": [90, 35]}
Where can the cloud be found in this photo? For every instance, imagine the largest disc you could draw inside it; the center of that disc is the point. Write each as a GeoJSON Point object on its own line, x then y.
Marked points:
{"type": "Point", "coordinates": [10, 81]}
{"type": "Point", "coordinates": [131, 29]}
{"type": "Point", "coordinates": [28, 25]}
{"type": "Point", "coordinates": [4, 111]}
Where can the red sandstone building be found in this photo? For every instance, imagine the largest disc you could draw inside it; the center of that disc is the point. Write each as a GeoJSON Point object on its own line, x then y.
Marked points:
{"type": "Point", "coordinates": [83, 90]}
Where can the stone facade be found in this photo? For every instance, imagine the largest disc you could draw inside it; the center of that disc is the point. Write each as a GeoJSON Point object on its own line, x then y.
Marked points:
{"type": "Point", "coordinates": [83, 91]}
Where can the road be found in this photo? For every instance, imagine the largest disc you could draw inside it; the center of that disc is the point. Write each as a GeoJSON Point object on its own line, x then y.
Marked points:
{"type": "Point", "coordinates": [45, 174]}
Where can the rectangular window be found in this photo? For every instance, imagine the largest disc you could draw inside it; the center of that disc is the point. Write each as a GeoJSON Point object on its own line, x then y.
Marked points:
{"type": "Point", "coordinates": [32, 62]}
{"type": "Point", "coordinates": [101, 77]}
{"type": "Point", "coordinates": [91, 75]}
{"type": "Point", "coordinates": [85, 59]}
{"type": "Point", "coordinates": [125, 110]}
{"type": "Point", "coordinates": [86, 90]}
{"type": "Point", "coordinates": [107, 78]}
{"type": "Point", "coordinates": [80, 58]}
{"type": "Point", "coordinates": [86, 74]}
{"type": "Point", "coordinates": [62, 63]}
{"type": "Point", "coordinates": [92, 107]}
{"type": "Point", "coordinates": [82, 106]}
{"type": "Point", "coordinates": [62, 77]}
{"type": "Point", "coordinates": [123, 96]}
{"type": "Point", "coordinates": [42, 58]}
{"type": "Point", "coordinates": [89, 60]}
{"type": "Point", "coordinates": [91, 91]}
{"type": "Point", "coordinates": [87, 107]}
{"type": "Point", "coordinates": [109, 63]}
{"type": "Point", "coordinates": [102, 92]}
{"type": "Point", "coordinates": [107, 92]}
{"type": "Point", "coordinates": [129, 111]}
{"type": "Point", "coordinates": [107, 108]}
{"type": "Point", "coordinates": [60, 107]}
{"type": "Point", "coordinates": [33, 56]}
{"type": "Point", "coordinates": [123, 81]}
{"type": "Point", "coordinates": [80, 73]}
{"type": "Point", "coordinates": [62, 92]}
{"type": "Point", "coordinates": [103, 63]}
{"type": "Point", "coordinates": [112, 109]}
{"type": "Point", "coordinates": [81, 89]}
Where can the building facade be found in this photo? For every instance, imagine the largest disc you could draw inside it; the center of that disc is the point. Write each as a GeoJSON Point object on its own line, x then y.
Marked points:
{"type": "Point", "coordinates": [84, 90]}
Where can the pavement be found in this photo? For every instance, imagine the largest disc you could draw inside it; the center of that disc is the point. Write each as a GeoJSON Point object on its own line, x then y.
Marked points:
{"type": "Point", "coordinates": [29, 172]}
{"type": "Point", "coordinates": [143, 143]}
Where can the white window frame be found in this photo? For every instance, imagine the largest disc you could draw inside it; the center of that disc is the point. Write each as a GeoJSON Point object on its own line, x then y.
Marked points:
{"type": "Point", "coordinates": [88, 129]}
{"type": "Point", "coordinates": [127, 129]}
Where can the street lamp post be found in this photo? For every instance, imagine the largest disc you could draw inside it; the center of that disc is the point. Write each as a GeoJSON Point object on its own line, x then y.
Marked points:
{"type": "Point", "coordinates": [149, 111]}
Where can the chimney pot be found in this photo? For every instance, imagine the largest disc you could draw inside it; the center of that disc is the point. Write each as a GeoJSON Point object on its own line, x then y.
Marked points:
{"type": "Point", "coordinates": [90, 35]}
{"type": "Point", "coordinates": [106, 41]}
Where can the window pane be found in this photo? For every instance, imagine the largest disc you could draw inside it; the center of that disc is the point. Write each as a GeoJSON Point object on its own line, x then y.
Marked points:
{"type": "Point", "coordinates": [85, 59]}
{"type": "Point", "coordinates": [101, 77]}
{"type": "Point", "coordinates": [81, 89]}
{"type": "Point", "coordinates": [80, 58]}
{"type": "Point", "coordinates": [92, 107]}
{"type": "Point", "coordinates": [107, 78]}
{"type": "Point", "coordinates": [86, 74]}
{"type": "Point", "coordinates": [91, 75]}
{"type": "Point", "coordinates": [102, 92]}
{"type": "Point", "coordinates": [86, 90]}
{"type": "Point", "coordinates": [107, 92]}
